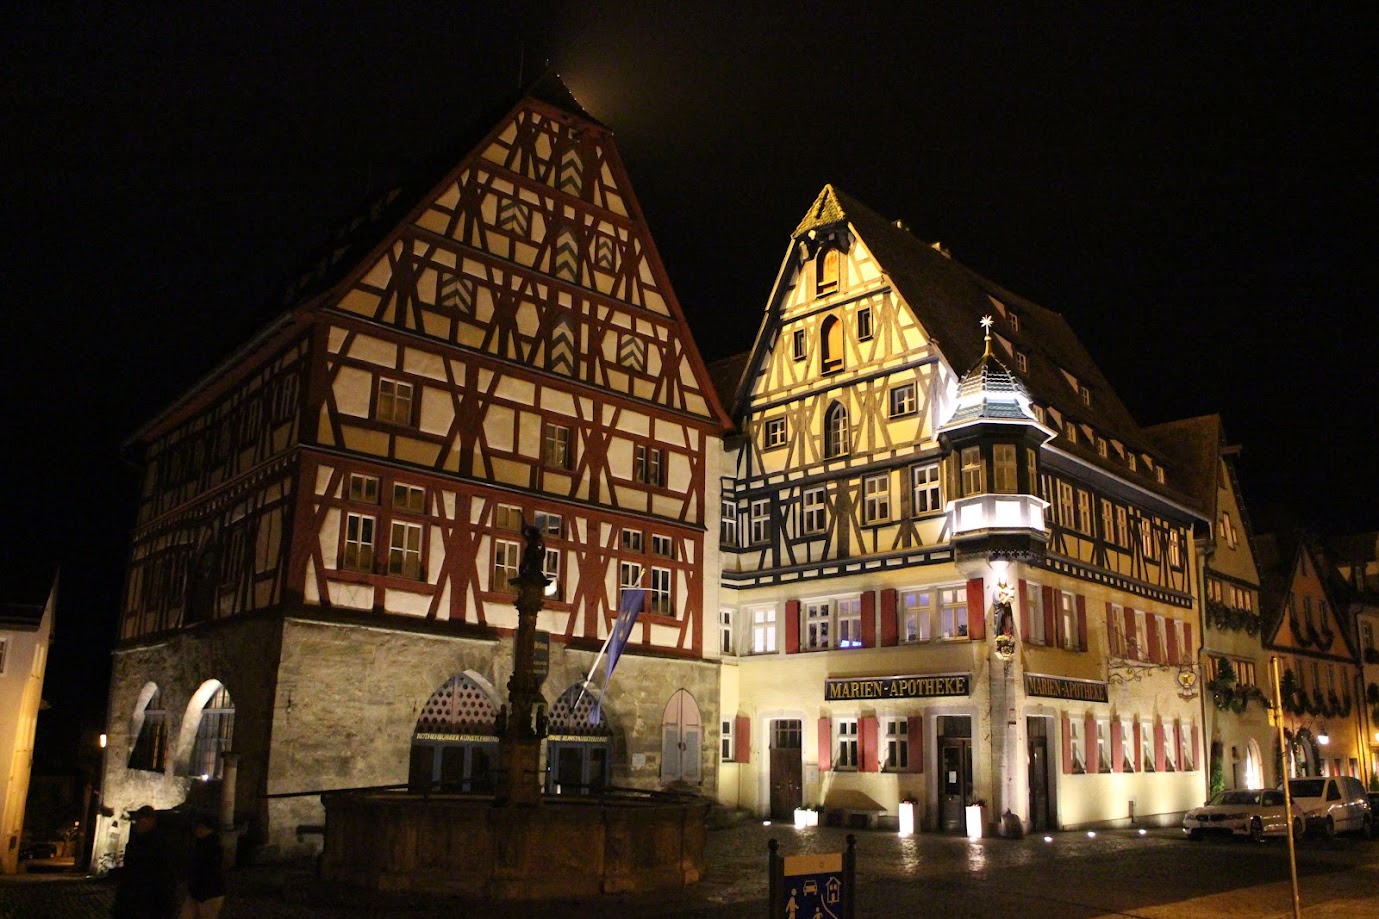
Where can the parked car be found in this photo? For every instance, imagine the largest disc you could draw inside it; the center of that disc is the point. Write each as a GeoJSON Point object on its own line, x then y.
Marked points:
{"type": "Point", "coordinates": [1333, 804]}
{"type": "Point", "coordinates": [1243, 812]}
{"type": "Point", "coordinates": [37, 850]}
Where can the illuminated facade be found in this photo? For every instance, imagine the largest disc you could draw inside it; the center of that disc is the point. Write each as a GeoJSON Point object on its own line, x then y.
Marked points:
{"type": "Point", "coordinates": [26, 627]}
{"type": "Point", "coordinates": [949, 576]}
{"type": "Point", "coordinates": [1357, 563]}
{"type": "Point", "coordinates": [328, 523]}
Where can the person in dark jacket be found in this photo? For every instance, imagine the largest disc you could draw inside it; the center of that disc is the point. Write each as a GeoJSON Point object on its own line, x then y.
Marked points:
{"type": "Point", "coordinates": [206, 881]}
{"type": "Point", "coordinates": [148, 882]}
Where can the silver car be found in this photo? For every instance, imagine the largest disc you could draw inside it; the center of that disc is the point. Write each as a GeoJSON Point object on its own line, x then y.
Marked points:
{"type": "Point", "coordinates": [1333, 804]}
{"type": "Point", "coordinates": [1243, 812]}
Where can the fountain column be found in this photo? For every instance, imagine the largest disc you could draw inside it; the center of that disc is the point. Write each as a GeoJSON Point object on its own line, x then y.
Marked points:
{"type": "Point", "coordinates": [519, 746]}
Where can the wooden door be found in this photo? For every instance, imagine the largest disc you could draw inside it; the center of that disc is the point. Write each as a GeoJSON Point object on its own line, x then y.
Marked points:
{"type": "Point", "coordinates": [787, 768]}
{"type": "Point", "coordinates": [1039, 816]}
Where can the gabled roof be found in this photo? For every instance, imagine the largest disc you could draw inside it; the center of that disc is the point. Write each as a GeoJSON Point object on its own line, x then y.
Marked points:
{"type": "Point", "coordinates": [1282, 554]}
{"type": "Point", "coordinates": [1194, 447]}
{"type": "Point", "coordinates": [25, 599]}
{"type": "Point", "coordinates": [949, 299]}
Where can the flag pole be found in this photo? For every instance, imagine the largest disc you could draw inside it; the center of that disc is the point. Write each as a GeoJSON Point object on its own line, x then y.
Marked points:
{"type": "Point", "coordinates": [584, 687]}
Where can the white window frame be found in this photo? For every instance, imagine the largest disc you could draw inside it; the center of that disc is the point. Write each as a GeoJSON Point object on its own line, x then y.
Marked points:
{"type": "Point", "coordinates": [1141, 635]}
{"type": "Point", "coordinates": [797, 339]}
{"type": "Point", "coordinates": [1034, 598]}
{"type": "Point", "coordinates": [507, 554]}
{"type": "Point", "coordinates": [1065, 505]}
{"type": "Point", "coordinates": [1127, 745]}
{"type": "Point", "coordinates": [764, 630]}
{"type": "Point", "coordinates": [1185, 731]}
{"type": "Point", "coordinates": [363, 488]}
{"type": "Point", "coordinates": [410, 499]}
{"type": "Point", "coordinates": [815, 511]}
{"type": "Point", "coordinates": [1147, 751]}
{"type": "Point", "coordinates": [903, 400]}
{"type": "Point", "coordinates": [896, 732]}
{"type": "Point", "coordinates": [629, 577]}
{"type": "Point", "coordinates": [1103, 745]}
{"type": "Point", "coordinates": [761, 521]}
{"type": "Point", "coordinates": [661, 592]}
{"type": "Point", "coordinates": [816, 630]}
{"type": "Point", "coordinates": [550, 567]}
{"type": "Point", "coordinates": [727, 637]}
{"type": "Point", "coordinates": [649, 465]}
{"type": "Point", "coordinates": [973, 471]}
{"type": "Point", "coordinates": [1122, 527]}
{"type": "Point", "coordinates": [556, 440]}
{"type": "Point", "coordinates": [952, 626]}
{"type": "Point", "coordinates": [773, 433]}
{"type": "Point", "coordinates": [727, 748]}
{"type": "Point", "coordinates": [1116, 638]}
{"type": "Point", "coordinates": [727, 531]}
{"type": "Point", "coordinates": [1021, 362]}
{"type": "Point", "coordinates": [1171, 735]}
{"type": "Point", "coordinates": [361, 534]}
{"type": "Point", "coordinates": [404, 550]}
{"type": "Point", "coordinates": [1067, 614]}
{"type": "Point", "coordinates": [1077, 744]}
{"type": "Point", "coordinates": [1085, 523]}
{"type": "Point", "coordinates": [876, 500]}
{"type": "Point", "coordinates": [926, 488]}
{"type": "Point", "coordinates": [848, 622]}
{"type": "Point", "coordinates": [396, 401]}
{"type": "Point", "coordinates": [846, 743]}
{"type": "Point", "coordinates": [1004, 465]}
{"type": "Point", "coordinates": [1108, 520]}
{"type": "Point", "coordinates": [916, 615]}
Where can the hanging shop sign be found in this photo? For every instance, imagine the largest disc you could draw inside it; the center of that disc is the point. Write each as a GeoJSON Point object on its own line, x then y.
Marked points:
{"type": "Point", "coordinates": [898, 687]}
{"type": "Point", "coordinates": [1052, 687]}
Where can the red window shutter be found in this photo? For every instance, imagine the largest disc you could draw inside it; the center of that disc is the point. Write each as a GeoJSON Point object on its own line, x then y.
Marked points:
{"type": "Point", "coordinates": [915, 733]}
{"type": "Point", "coordinates": [1081, 623]}
{"type": "Point", "coordinates": [1050, 617]}
{"type": "Point", "coordinates": [1111, 624]}
{"type": "Point", "coordinates": [1177, 741]}
{"type": "Point", "coordinates": [792, 626]}
{"type": "Point", "coordinates": [1196, 747]}
{"type": "Point", "coordinates": [1172, 634]}
{"type": "Point", "coordinates": [1024, 610]}
{"type": "Point", "coordinates": [1089, 746]}
{"type": "Point", "coordinates": [1117, 746]}
{"type": "Point", "coordinates": [1151, 621]}
{"type": "Point", "coordinates": [1189, 653]}
{"type": "Point", "coordinates": [1158, 745]}
{"type": "Point", "coordinates": [825, 744]}
{"type": "Point", "coordinates": [1067, 747]}
{"type": "Point", "coordinates": [1130, 635]}
{"type": "Point", "coordinates": [976, 610]}
{"type": "Point", "coordinates": [870, 760]}
{"type": "Point", "coordinates": [1139, 747]}
{"type": "Point", "coordinates": [889, 631]}
{"type": "Point", "coordinates": [869, 619]}
{"type": "Point", "coordinates": [742, 743]}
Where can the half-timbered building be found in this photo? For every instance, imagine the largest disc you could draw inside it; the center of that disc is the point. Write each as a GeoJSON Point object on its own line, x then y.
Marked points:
{"type": "Point", "coordinates": [1356, 557]}
{"type": "Point", "coordinates": [1237, 694]}
{"type": "Point", "coordinates": [1320, 685]}
{"type": "Point", "coordinates": [951, 575]}
{"type": "Point", "coordinates": [329, 521]}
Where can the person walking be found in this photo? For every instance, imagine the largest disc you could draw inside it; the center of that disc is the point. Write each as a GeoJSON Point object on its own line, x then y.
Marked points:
{"type": "Point", "coordinates": [206, 880]}
{"type": "Point", "coordinates": [148, 885]}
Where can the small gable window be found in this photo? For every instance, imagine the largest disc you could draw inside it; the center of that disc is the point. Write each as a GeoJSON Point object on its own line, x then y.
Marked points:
{"type": "Point", "coordinates": [826, 272]}
{"type": "Point", "coordinates": [836, 434]}
{"type": "Point", "coordinates": [864, 332]}
{"type": "Point", "coordinates": [831, 345]}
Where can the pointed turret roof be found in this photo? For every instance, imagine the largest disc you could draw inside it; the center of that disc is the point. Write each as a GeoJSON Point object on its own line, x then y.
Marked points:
{"type": "Point", "coordinates": [990, 392]}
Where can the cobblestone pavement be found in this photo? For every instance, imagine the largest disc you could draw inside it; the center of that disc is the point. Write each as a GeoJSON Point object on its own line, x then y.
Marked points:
{"type": "Point", "coordinates": [1156, 875]}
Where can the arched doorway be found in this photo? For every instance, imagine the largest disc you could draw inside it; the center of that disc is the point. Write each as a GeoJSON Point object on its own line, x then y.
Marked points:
{"type": "Point", "coordinates": [208, 730]}
{"type": "Point", "coordinates": [1254, 765]}
{"type": "Point", "coordinates": [579, 744]}
{"type": "Point", "coordinates": [455, 744]}
{"type": "Point", "coordinates": [682, 735]}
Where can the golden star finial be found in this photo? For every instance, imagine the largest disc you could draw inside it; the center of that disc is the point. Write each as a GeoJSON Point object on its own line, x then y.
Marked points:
{"type": "Point", "coordinates": [986, 324]}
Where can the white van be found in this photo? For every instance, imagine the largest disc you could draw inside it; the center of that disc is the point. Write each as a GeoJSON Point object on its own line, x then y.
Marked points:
{"type": "Point", "coordinates": [1332, 804]}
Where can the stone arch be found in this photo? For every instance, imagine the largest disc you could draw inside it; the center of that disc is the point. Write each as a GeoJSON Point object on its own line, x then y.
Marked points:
{"type": "Point", "coordinates": [455, 740]}
{"type": "Point", "coordinates": [579, 742]}
{"type": "Point", "coordinates": [208, 729]}
{"type": "Point", "coordinates": [682, 734]}
{"type": "Point", "coordinates": [149, 729]}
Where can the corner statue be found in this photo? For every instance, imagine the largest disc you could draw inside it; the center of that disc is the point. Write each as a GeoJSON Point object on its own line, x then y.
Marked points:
{"type": "Point", "coordinates": [1004, 621]}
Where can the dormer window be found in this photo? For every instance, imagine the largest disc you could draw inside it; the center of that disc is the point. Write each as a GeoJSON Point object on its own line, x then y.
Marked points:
{"type": "Point", "coordinates": [1086, 395]}
{"type": "Point", "coordinates": [1134, 463]}
{"type": "Point", "coordinates": [1021, 362]}
{"type": "Point", "coordinates": [1071, 431]}
{"type": "Point", "coordinates": [831, 345]}
{"type": "Point", "coordinates": [1101, 447]}
{"type": "Point", "coordinates": [826, 272]}
{"type": "Point", "coordinates": [1159, 474]}
{"type": "Point", "coordinates": [1014, 321]}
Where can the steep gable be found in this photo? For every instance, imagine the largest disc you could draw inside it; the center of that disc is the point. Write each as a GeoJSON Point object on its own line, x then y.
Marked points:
{"type": "Point", "coordinates": [1303, 616]}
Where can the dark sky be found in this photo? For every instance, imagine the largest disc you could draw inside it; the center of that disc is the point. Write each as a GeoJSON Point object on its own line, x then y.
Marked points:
{"type": "Point", "coordinates": [1194, 188]}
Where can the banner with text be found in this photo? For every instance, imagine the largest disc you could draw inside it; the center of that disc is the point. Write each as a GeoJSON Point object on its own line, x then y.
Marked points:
{"type": "Point", "coordinates": [898, 687]}
{"type": "Point", "coordinates": [1052, 687]}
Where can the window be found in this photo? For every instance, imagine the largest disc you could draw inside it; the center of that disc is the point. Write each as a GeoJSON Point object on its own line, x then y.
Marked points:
{"type": "Point", "coordinates": [632, 540]}
{"type": "Point", "coordinates": [555, 446]}
{"type": "Point", "coordinates": [359, 542]}
{"type": "Point", "coordinates": [394, 401]}
{"type": "Point", "coordinates": [774, 433]}
{"type": "Point", "coordinates": [850, 623]}
{"type": "Point", "coordinates": [404, 550]}
{"type": "Point", "coordinates": [550, 524]}
{"type": "Point", "coordinates": [1171, 747]}
{"type": "Point", "coordinates": [1175, 549]}
{"type": "Point", "coordinates": [1032, 469]}
{"type": "Point", "coordinates": [1148, 543]}
{"type": "Point", "coordinates": [409, 498]}
{"type": "Point", "coordinates": [364, 488]}
{"type": "Point", "coordinates": [1122, 527]}
{"type": "Point", "coordinates": [1067, 617]}
{"type": "Point", "coordinates": [876, 500]}
{"type": "Point", "coordinates": [1086, 395]}
{"type": "Point", "coordinates": [1078, 745]}
{"type": "Point", "coordinates": [826, 272]}
{"type": "Point", "coordinates": [1108, 521]}
{"type": "Point", "coordinates": [761, 521]}
{"type": "Point", "coordinates": [1185, 732]}
{"type": "Point", "coordinates": [1065, 505]}
{"type": "Point", "coordinates": [727, 525]}
{"type": "Point", "coordinates": [1147, 763]}
{"type": "Point", "coordinates": [836, 435]}
{"type": "Point", "coordinates": [1227, 529]}
{"type": "Point", "coordinates": [1115, 630]}
{"type": "Point", "coordinates": [847, 744]}
{"type": "Point", "coordinates": [916, 615]}
{"type": "Point", "coordinates": [506, 556]}
{"type": "Point", "coordinates": [864, 323]}
{"type": "Point", "coordinates": [629, 578]}
{"type": "Point", "coordinates": [1161, 639]}
{"type": "Point", "coordinates": [953, 612]}
{"type": "Point", "coordinates": [662, 546]}
{"type": "Point", "coordinates": [927, 496]}
{"type": "Point", "coordinates": [1034, 598]}
{"type": "Point", "coordinates": [649, 465]}
{"type": "Point", "coordinates": [726, 644]}
{"type": "Point", "coordinates": [1103, 746]}
{"type": "Point", "coordinates": [151, 743]}
{"type": "Point", "coordinates": [764, 631]}
{"type": "Point", "coordinates": [508, 517]}
{"type": "Point", "coordinates": [818, 616]}
{"type": "Point", "coordinates": [903, 400]}
{"type": "Point", "coordinates": [797, 344]}
{"type": "Point", "coordinates": [1070, 432]}
{"type": "Point", "coordinates": [727, 750]}
{"type": "Point", "coordinates": [1133, 463]}
{"type": "Point", "coordinates": [973, 472]}
{"type": "Point", "coordinates": [897, 744]}
{"type": "Point", "coordinates": [550, 567]}
{"type": "Point", "coordinates": [830, 345]}
{"type": "Point", "coordinates": [1003, 469]}
{"type": "Point", "coordinates": [1127, 745]}
{"type": "Point", "coordinates": [215, 733]}
{"type": "Point", "coordinates": [1021, 362]}
{"type": "Point", "coordinates": [1141, 648]}
{"type": "Point", "coordinates": [815, 511]}
{"type": "Point", "coordinates": [1159, 477]}
{"type": "Point", "coordinates": [661, 601]}
{"type": "Point", "coordinates": [1085, 523]}
{"type": "Point", "coordinates": [1014, 319]}
{"type": "Point", "coordinates": [1101, 449]}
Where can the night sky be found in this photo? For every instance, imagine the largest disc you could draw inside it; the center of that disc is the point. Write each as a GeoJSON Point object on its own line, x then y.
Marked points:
{"type": "Point", "coordinates": [1194, 190]}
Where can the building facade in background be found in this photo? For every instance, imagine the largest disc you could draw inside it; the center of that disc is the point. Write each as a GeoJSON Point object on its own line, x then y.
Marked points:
{"type": "Point", "coordinates": [328, 524]}
{"type": "Point", "coordinates": [950, 577]}
{"type": "Point", "coordinates": [26, 628]}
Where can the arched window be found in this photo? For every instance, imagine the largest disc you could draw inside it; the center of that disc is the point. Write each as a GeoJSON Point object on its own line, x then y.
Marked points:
{"type": "Point", "coordinates": [215, 729]}
{"type": "Point", "coordinates": [836, 433]}
{"type": "Point", "coordinates": [682, 735]}
{"type": "Point", "coordinates": [831, 345]}
{"type": "Point", "coordinates": [577, 763]}
{"type": "Point", "coordinates": [826, 272]}
{"type": "Point", "coordinates": [455, 744]}
{"type": "Point", "coordinates": [150, 731]}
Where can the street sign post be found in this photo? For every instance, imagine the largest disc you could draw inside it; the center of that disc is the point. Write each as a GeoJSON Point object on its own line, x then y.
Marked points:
{"type": "Point", "coordinates": [815, 886]}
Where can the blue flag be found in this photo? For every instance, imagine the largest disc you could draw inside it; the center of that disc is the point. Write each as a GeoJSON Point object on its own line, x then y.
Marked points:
{"type": "Point", "coordinates": [629, 605]}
